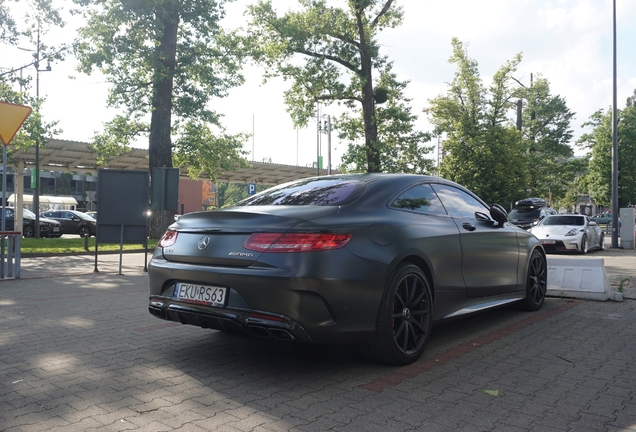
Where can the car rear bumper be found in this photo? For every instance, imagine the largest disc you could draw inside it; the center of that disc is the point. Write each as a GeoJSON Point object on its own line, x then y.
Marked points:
{"type": "Point", "coordinates": [332, 305]}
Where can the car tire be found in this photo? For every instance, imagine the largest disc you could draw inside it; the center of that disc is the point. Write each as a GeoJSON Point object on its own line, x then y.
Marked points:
{"type": "Point", "coordinates": [584, 246]}
{"type": "Point", "coordinates": [405, 318]}
{"type": "Point", "coordinates": [536, 282]}
{"type": "Point", "coordinates": [85, 231]}
{"type": "Point", "coordinates": [28, 231]}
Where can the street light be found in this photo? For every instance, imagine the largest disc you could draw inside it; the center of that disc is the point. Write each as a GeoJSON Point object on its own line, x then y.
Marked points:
{"type": "Point", "coordinates": [36, 193]}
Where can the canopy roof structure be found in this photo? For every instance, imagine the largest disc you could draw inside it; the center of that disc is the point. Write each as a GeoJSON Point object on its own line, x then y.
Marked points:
{"type": "Point", "coordinates": [75, 156]}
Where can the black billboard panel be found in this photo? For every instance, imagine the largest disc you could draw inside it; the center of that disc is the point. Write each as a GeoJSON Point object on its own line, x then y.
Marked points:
{"type": "Point", "coordinates": [122, 201]}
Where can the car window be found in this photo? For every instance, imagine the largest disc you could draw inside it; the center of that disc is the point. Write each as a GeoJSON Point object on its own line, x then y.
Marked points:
{"type": "Point", "coordinates": [564, 220]}
{"type": "Point", "coordinates": [459, 203]}
{"type": "Point", "coordinates": [420, 199]}
{"type": "Point", "coordinates": [320, 192]}
{"type": "Point", "coordinates": [524, 213]}
{"type": "Point", "coordinates": [66, 215]}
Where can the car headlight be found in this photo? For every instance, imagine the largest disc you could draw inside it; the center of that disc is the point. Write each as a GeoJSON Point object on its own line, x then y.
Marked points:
{"type": "Point", "coordinates": [572, 232]}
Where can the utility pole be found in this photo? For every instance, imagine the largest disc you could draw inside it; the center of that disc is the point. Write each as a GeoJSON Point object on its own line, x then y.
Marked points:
{"type": "Point", "coordinates": [615, 210]}
{"type": "Point", "coordinates": [36, 192]}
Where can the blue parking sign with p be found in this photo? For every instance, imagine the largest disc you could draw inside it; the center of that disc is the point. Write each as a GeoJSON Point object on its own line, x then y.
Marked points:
{"type": "Point", "coordinates": [251, 188]}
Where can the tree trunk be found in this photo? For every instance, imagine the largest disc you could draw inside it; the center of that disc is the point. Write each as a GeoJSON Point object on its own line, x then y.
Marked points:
{"type": "Point", "coordinates": [368, 103]}
{"type": "Point", "coordinates": [160, 144]}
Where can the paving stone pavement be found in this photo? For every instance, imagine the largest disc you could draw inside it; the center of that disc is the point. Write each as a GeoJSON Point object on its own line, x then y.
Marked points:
{"type": "Point", "coordinates": [80, 352]}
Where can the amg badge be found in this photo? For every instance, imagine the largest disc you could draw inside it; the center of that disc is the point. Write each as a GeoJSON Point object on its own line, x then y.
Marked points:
{"type": "Point", "coordinates": [241, 254]}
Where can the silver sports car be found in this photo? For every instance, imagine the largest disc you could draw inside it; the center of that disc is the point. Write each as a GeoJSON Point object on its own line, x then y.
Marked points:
{"type": "Point", "coordinates": [371, 259]}
{"type": "Point", "coordinates": [569, 233]}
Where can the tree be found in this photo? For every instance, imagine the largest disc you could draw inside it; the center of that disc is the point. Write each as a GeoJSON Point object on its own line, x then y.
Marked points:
{"type": "Point", "coordinates": [546, 135]}
{"type": "Point", "coordinates": [34, 128]}
{"type": "Point", "coordinates": [485, 151]}
{"type": "Point", "coordinates": [166, 60]}
{"type": "Point", "coordinates": [400, 147]}
{"type": "Point", "coordinates": [229, 194]}
{"type": "Point", "coordinates": [39, 18]}
{"type": "Point", "coordinates": [599, 140]}
{"type": "Point", "coordinates": [8, 28]}
{"type": "Point", "coordinates": [332, 55]}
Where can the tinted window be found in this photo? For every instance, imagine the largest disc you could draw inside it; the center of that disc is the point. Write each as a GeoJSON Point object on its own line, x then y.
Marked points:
{"type": "Point", "coordinates": [420, 199]}
{"type": "Point", "coordinates": [524, 213]}
{"type": "Point", "coordinates": [458, 203]}
{"type": "Point", "coordinates": [320, 192]}
{"type": "Point", "coordinates": [564, 220]}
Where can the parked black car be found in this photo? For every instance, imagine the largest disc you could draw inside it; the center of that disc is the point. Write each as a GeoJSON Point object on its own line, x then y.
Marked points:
{"type": "Point", "coordinates": [372, 259]}
{"type": "Point", "coordinates": [529, 212]}
{"type": "Point", "coordinates": [73, 222]}
{"type": "Point", "coordinates": [48, 227]}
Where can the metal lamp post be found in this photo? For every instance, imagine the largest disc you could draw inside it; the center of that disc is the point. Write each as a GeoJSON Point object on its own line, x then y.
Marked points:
{"type": "Point", "coordinates": [36, 193]}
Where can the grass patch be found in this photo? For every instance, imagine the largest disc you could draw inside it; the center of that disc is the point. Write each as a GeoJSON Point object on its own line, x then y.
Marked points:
{"type": "Point", "coordinates": [73, 245]}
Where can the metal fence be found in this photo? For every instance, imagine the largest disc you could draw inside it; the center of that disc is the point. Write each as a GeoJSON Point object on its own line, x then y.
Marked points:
{"type": "Point", "coordinates": [10, 254]}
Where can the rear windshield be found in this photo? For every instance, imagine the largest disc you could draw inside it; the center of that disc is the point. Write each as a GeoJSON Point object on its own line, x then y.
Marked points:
{"type": "Point", "coordinates": [524, 213]}
{"type": "Point", "coordinates": [315, 191]}
{"type": "Point", "coordinates": [564, 220]}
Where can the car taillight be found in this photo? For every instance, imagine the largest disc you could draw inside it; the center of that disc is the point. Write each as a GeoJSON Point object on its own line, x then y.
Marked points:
{"type": "Point", "coordinates": [300, 242]}
{"type": "Point", "coordinates": [168, 239]}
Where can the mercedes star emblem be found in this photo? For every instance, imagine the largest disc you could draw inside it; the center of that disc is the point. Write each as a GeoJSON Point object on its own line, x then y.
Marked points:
{"type": "Point", "coordinates": [203, 242]}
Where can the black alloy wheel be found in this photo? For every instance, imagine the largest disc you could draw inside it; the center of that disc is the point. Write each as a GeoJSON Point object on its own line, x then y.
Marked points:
{"type": "Point", "coordinates": [28, 231]}
{"type": "Point", "coordinates": [404, 321]}
{"type": "Point", "coordinates": [85, 231]}
{"type": "Point", "coordinates": [536, 282]}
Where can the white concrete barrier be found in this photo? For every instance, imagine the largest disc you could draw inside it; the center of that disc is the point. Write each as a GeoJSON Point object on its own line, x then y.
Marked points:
{"type": "Point", "coordinates": [583, 278]}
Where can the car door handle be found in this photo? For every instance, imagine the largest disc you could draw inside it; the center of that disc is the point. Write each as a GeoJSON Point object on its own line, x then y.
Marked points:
{"type": "Point", "coordinates": [468, 226]}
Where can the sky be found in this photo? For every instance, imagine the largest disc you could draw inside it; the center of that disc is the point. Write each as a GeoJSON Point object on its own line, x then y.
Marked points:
{"type": "Point", "coordinates": [569, 42]}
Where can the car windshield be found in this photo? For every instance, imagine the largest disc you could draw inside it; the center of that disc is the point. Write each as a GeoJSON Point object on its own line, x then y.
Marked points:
{"type": "Point", "coordinates": [83, 216]}
{"type": "Point", "coordinates": [564, 220]}
{"type": "Point", "coordinates": [317, 191]}
{"type": "Point", "coordinates": [524, 213]}
{"type": "Point", "coordinates": [28, 214]}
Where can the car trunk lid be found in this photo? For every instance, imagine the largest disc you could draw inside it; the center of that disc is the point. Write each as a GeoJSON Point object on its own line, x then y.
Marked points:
{"type": "Point", "coordinates": [217, 237]}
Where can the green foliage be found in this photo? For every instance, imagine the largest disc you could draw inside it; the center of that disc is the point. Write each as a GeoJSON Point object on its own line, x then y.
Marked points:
{"type": "Point", "coordinates": [34, 128]}
{"type": "Point", "coordinates": [484, 151]}
{"type": "Point", "coordinates": [166, 61]}
{"type": "Point", "coordinates": [201, 150]}
{"type": "Point", "coordinates": [599, 178]}
{"type": "Point", "coordinates": [23, 31]}
{"type": "Point", "coordinates": [401, 147]}
{"type": "Point", "coordinates": [8, 28]}
{"type": "Point", "coordinates": [546, 135]}
{"type": "Point", "coordinates": [229, 194]}
{"type": "Point", "coordinates": [332, 55]}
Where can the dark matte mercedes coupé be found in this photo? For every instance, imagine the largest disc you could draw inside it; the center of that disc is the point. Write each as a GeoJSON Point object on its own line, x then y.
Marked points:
{"type": "Point", "coordinates": [371, 259]}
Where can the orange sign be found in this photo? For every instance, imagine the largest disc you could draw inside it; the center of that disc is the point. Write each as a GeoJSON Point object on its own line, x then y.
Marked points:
{"type": "Point", "coordinates": [11, 118]}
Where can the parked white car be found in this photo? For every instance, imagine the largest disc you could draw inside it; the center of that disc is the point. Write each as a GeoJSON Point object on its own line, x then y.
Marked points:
{"type": "Point", "coordinates": [569, 233]}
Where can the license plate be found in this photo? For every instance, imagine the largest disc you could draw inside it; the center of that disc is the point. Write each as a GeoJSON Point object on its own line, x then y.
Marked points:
{"type": "Point", "coordinates": [56, 228]}
{"type": "Point", "coordinates": [548, 241]}
{"type": "Point", "coordinates": [200, 294]}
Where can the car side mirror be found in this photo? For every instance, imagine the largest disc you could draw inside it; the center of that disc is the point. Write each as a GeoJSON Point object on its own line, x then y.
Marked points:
{"type": "Point", "coordinates": [499, 214]}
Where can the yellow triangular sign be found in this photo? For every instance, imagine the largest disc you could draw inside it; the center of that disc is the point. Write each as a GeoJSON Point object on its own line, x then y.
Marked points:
{"type": "Point", "coordinates": [11, 118]}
